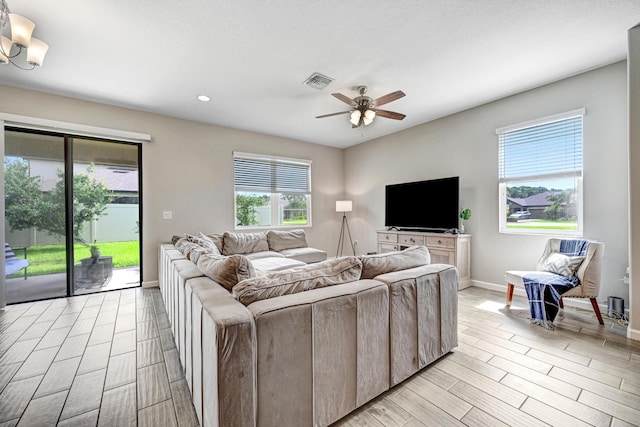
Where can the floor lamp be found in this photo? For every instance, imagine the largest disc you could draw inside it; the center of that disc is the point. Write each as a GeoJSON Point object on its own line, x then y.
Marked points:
{"type": "Point", "coordinates": [344, 206]}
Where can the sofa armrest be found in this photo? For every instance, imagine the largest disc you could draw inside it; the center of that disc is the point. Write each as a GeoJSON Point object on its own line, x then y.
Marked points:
{"type": "Point", "coordinates": [412, 273]}
{"type": "Point", "coordinates": [423, 314]}
{"type": "Point", "coordinates": [223, 343]}
{"type": "Point", "coordinates": [321, 353]}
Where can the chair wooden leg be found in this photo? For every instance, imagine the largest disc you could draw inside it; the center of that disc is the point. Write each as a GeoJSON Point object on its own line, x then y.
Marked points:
{"type": "Point", "coordinates": [560, 303]}
{"type": "Point", "coordinates": [596, 308]}
{"type": "Point", "coordinates": [509, 293]}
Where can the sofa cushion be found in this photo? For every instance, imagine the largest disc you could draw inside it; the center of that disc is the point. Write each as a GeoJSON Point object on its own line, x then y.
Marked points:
{"type": "Point", "coordinates": [308, 255]}
{"type": "Point", "coordinates": [264, 254]}
{"type": "Point", "coordinates": [195, 253]}
{"type": "Point", "coordinates": [262, 265]}
{"type": "Point", "coordinates": [227, 271]}
{"type": "Point", "coordinates": [187, 247]}
{"type": "Point", "coordinates": [180, 243]}
{"type": "Point", "coordinates": [374, 265]}
{"type": "Point", "coordinates": [298, 279]}
{"type": "Point", "coordinates": [244, 243]}
{"type": "Point", "coordinates": [208, 243]}
{"type": "Point", "coordinates": [217, 239]}
{"type": "Point", "coordinates": [279, 240]}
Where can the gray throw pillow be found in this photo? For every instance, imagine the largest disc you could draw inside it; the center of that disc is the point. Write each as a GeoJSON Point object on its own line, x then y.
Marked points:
{"type": "Point", "coordinates": [244, 243]}
{"type": "Point", "coordinates": [208, 243]}
{"type": "Point", "coordinates": [227, 271]}
{"type": "Point", "coordinates": [186, 247]}
{"type": "Point", "coordinates": [298, 279]}
{"type": "Point", "coordinates": [217, 240]}
{"type": "Point", "coordinates": [280, 240]}
{"type": "Point", "coordinates": [375, 265]}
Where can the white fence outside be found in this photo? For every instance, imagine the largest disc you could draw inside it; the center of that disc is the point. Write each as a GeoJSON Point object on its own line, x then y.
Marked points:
{"type": "Point", "coordinates": [119, 224]}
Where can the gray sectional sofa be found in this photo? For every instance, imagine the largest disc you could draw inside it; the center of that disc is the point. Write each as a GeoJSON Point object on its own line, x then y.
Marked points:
{"type": "Point", "coordinates": [302, 345]}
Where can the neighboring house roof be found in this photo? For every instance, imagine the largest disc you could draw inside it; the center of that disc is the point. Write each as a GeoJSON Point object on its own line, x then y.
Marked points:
{"type": "Point", "coordinates": [117, 179]}
{"type": "Point", "coordinates": [537, 200]}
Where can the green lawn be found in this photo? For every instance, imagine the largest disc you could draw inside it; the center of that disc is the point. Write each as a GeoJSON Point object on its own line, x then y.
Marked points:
{"type": "Point", "coordinates": [544, 224]}
{"type": "Point", "coordinates": [49, 259]}
{"type": "Point", "coordinates": [295, 222]}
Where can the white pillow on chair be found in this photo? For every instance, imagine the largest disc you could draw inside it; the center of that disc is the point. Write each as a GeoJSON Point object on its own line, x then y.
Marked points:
{"type": "Point", "coordinates": [562, 264]}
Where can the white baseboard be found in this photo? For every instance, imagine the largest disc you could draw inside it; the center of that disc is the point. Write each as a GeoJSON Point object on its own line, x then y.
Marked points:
{"type": "Point", "coordinates": [495, 287]}
{"type": "Point", "coordinates": [150, 284]}
{"type": "Point", "coordinates": [569, 302]}
{"type": "Point", "coordinates": [633, 334]}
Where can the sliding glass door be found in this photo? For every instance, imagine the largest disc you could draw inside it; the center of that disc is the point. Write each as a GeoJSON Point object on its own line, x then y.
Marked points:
{"type": "Point", "coordinates": [35, 217]}
{"type": "Point", "coordinates": [72, 210]}
{"type": "Point", "coordinates": [106, 215]}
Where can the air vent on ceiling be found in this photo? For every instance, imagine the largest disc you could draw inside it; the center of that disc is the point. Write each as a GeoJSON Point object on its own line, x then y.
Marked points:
{"type": "Point", "coordinates": [318, 81]}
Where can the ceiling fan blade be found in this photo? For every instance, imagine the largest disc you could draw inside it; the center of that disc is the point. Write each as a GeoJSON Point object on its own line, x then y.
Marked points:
{"type": "Point", "coordinates": [345, 99]}
{"type": "Point", "coordinates": [390, 114]}
{"type": "Point", "coordinates": [333, 114]}
{"type": "Point", "coordinates": [385, 99]}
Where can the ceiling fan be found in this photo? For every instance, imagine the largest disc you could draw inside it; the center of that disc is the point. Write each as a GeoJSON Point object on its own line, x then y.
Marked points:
{"type": "Point", "coordinates": [365, 108]}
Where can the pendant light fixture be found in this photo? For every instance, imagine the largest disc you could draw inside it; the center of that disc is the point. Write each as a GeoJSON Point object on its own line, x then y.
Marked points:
{"type": "Point", "coordinates": [15, 36]}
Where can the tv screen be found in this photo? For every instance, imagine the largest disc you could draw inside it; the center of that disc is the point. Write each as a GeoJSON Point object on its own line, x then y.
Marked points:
{"type": "Point", "coordinates": [423, 205]}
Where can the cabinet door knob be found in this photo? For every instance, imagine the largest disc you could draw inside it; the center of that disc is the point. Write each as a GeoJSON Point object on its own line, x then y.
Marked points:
{"type": "Point", "coordinates": [411, 240]}
{"type": "Point", "coordinates": [439, 242]}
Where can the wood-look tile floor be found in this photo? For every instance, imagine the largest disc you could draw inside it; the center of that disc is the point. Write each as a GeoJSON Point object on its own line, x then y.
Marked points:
{"type": "Point", "coordinates": [507, 372]}
{"type": "Point", "coordinates": [105, 359]}
{"type": "Point", "coordinates": [109, 359]}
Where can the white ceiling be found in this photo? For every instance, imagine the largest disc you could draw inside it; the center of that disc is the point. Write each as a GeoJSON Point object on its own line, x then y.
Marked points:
{"type": "Point", "coordinates": [252, 56]}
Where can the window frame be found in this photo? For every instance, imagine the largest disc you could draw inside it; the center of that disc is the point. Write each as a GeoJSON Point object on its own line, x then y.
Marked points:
{"type": "Point", "coordinates": [272, 193]}
{"type": "Point", "coordinates": [503, 182]}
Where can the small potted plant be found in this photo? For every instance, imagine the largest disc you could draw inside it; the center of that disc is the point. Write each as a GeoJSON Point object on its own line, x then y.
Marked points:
{"type": "Point", "coordinates": [95, 253]}
{"type": "Point", "coordinates": [465, 215]}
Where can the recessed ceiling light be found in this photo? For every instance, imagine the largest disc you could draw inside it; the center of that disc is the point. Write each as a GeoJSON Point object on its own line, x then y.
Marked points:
{"type": "Point", "coordinates": [204, 98]}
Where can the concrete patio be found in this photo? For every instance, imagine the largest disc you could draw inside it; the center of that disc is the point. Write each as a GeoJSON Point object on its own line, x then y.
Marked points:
{"type": "Point", "coordinates": [54, 285]}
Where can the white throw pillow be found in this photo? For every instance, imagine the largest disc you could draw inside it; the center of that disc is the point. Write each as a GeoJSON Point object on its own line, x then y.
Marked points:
{"type": "Point", "coordinates": [562, 264]}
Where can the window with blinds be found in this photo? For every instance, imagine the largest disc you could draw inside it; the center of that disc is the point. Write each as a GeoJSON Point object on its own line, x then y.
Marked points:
{"type": "Point", "coordinates": [540, 175]}
{"type": "Point", "coordinates": [271, 191]}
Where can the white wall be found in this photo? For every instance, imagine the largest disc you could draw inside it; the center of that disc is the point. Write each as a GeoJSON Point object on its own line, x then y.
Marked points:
{"type": "Point", "coordinates": [633, 331]}
{"type": "Point", "coordinates": [187, 168]}
{"type": "Point", "coordinates": [465, 144]}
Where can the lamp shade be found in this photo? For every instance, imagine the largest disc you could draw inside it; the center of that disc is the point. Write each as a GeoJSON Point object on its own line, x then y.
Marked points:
{"type": "Point", "coordinates": [6, 47]}
{"type": "Point", "coordinates": [368, 117]}
{"type": "Point", "coordinates": [344, 206]}
{"type": "Point", "coordinates": [36, 52]}
{"type": "Point", "coordinates": [21, 29]}
{"type": "Point", "coordinates": [355, 117]}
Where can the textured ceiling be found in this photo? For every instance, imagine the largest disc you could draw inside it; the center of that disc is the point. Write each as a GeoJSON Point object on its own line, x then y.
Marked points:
{"type": "Point", "coordinates": [251, 57]}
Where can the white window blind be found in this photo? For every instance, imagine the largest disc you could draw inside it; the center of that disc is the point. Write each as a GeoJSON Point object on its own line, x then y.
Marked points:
{"type": "Point", "coordinates": [274, 175]}
{"type": "Point", "coordinates": [549, 150]}
{"type": "Point", "coordinates": [540, 175]}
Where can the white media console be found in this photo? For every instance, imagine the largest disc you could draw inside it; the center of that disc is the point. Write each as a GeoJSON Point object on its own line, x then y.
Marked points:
{"type": "Point", "coordinates": [453, 249]}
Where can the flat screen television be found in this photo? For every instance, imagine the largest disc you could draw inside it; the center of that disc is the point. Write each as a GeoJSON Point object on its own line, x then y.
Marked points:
{"type": "Point", "coordinates": [431, 205]}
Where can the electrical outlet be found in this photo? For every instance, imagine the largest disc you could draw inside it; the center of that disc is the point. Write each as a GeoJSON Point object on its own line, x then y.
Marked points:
{"type": "Point", "coordinates": [167, 215]}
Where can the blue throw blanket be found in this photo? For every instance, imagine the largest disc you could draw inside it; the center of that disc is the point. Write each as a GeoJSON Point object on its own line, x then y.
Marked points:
{"type": "Point", "coordinates": [544, 289]}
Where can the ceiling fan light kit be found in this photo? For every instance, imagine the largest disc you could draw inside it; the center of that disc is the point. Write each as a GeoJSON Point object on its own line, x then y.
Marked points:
{"type": "Point", "coordinates": [364, 107]}
{"type": "Point", "coordinates": [19, 30]}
